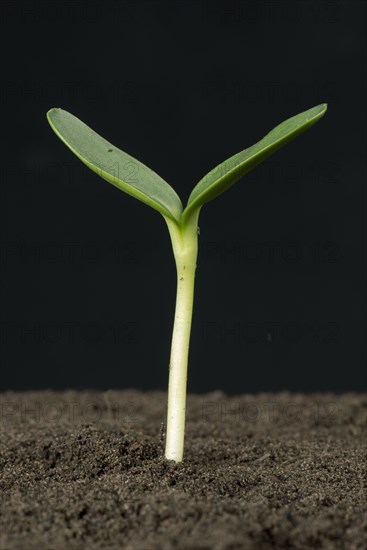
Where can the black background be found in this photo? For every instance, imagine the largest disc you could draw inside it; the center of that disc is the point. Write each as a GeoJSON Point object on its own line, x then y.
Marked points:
{"type": "Point", "coordinates": [88, 277]}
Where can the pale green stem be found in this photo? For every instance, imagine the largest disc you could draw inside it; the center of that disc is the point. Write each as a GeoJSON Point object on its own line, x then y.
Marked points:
{"type": "Point", "coordinates": [185, 248]}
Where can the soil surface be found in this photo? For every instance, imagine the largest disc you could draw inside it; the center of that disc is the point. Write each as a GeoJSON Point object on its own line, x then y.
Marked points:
{"type": "Point", "coordinates": [87, 470]}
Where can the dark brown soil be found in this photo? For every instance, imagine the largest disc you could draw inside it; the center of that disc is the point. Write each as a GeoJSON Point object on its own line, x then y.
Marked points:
{"type": "Point", "coordinates": [87, 470]}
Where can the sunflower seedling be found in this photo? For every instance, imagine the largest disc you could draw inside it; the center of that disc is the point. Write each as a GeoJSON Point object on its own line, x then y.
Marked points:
{"type": "Point", "coordinates": [139, 181]}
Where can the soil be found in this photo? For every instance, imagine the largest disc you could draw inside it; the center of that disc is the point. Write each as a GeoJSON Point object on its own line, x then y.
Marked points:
{"type": "Point", "coordinates": [87, 470]}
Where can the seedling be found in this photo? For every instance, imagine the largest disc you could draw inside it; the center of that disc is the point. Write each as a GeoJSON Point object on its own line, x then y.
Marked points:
{"type": "Point", "coordinates": [136, 179]}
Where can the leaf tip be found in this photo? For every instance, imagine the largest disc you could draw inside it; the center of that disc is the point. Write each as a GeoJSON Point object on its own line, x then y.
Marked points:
{"type": "Point", "coordinates": [51, 112]}
{"type": "Point", "coordinates": [323, 107]}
